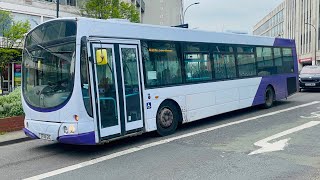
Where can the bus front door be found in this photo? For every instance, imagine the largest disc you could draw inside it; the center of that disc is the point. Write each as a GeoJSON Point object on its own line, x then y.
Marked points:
{"type": "Point", "coordinates": [118, 89]}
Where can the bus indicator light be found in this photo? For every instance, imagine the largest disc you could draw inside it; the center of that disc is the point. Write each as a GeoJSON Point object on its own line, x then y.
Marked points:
{"type": "Point", "coordinates": [76, 117]}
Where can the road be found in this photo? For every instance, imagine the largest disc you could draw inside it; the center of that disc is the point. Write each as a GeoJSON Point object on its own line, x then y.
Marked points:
{"type": "Point", "coordinates": [222, 147]}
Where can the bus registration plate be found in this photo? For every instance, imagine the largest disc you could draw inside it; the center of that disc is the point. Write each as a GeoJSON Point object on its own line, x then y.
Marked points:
{"type": "Point", "coordinates": [45, 136]}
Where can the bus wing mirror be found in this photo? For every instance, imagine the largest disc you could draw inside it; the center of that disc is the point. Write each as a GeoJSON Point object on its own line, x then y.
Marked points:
{"type": "Point", "coordinates": [102, 56]}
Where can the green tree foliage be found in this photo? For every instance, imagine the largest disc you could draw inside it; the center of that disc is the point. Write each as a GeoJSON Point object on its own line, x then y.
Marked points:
{"type": "Point", "coordinates": [105, 9]}
{"type": "Point", "coordinates": [8, 55]}
{"type": "Point", "coordinates": [16, 33]}
{"type": "Point", "coordinates": [5, 19]}
{"type": "Point", "coordinates": [12, 31]}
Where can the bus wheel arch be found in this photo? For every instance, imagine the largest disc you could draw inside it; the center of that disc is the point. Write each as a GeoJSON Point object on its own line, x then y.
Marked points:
{"type": "Point", "coordinates": [169, 115]}
{"type": "Point", "coordinates": [269, 97]}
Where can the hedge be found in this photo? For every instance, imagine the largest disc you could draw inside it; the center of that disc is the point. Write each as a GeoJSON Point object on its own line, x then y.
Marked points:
{"type": "Point", "coordinates": [10, 105]}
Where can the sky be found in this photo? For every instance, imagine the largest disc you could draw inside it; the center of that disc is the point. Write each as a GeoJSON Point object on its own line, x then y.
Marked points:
{"type": "Point", "coordinates": [228, 15]}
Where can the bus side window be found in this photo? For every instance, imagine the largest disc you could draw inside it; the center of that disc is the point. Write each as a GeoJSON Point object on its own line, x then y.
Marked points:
{"type": "Point", "coordinates": [277, 54]}
{"type": "Point", "coordinates": [161, 64]}
{"type": "Point", "coordinates": [224, 62]}
{"type": "Point", "coordinates": [198, 67]}
{"type": "Point", "coordinates": [85, 84]}
{"type": "Point", "coordinates": [264, 61]}
{"type": "Point", "coordinates": [246, 62]}
{"type": "Point", "coordinates": [288, 64]}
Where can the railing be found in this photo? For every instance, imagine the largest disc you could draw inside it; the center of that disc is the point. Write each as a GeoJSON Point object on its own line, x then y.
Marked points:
{"type": "Point", "coordinates": [143, 5]}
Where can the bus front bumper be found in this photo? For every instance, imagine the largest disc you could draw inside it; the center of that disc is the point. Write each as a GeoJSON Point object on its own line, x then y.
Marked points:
{"type": "Point", "coordinates": [30, 134]}
{"type": "Point", "coordinates": [79, 139]}
{"type": "Point", "coordinates": [53, 131]}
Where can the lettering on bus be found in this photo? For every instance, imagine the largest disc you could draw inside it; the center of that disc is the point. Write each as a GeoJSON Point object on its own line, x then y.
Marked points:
{"type": "Point", "coordinates": [160, 50]}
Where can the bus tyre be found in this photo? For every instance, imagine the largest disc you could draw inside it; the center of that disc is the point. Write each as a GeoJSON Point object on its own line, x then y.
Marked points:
{"type": "Point", "coordinates": [167, 119]}
{"type": "Point", "coordinates": [269, 97]}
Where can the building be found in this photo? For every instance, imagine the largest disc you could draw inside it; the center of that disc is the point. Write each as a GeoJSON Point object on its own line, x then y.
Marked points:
{"type": "Point", "coordinates": [158, 12]}
{"type": "Point", "coordinates": [299, 20]}
{"type": "Point", "coordinates": [163, 12]}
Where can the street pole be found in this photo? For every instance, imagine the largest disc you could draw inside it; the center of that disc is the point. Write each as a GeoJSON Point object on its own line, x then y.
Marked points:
{"type": "Point", "coordinates": [184, 13]}
{"type": "Point", "coordinates": [58, 3]}
{"type": "Point", "coordinates": [315, 42]}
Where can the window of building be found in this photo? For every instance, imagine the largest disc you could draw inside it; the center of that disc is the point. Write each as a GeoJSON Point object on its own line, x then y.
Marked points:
{"type": "Point", "coordinates": [161, 63]}
{"type": "Point", "coordinates": [64, 2]}
{"type": "Point", "coordinates": [33, 20]}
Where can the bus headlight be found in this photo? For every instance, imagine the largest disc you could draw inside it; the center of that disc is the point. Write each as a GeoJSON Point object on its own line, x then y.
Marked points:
{"type": "Point", "coordinates": [72, 129]}
{"type": "Point", "coordinates": [65, 129]}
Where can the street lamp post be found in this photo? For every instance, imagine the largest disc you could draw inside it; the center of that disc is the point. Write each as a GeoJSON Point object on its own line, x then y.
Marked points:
{"type": "Point", "coordinates": [184, 13]}
{"type": "Point", "coordinates": [58, 3]}
{"type": "Point", "coordinates": [315, 42]}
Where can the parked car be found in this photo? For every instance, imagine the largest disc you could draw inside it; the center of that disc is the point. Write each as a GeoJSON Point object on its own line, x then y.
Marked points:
{"type": "Point", "coordinates": [309, 77]}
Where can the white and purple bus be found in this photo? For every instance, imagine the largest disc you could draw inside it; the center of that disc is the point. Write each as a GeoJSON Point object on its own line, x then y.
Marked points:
{"type": "Point", "coordinates": [89, 81]}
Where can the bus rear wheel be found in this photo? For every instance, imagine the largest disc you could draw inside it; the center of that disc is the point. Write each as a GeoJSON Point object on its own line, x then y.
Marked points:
{"type": "Point", "coordinates": [167, 119]}
{"type": "Point", "coordinates": [269, 97]}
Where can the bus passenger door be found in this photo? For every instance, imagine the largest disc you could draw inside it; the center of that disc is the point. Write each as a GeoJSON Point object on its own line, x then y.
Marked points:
{"type": "Point", "coordinates": [131, 87]}
{"type": "Point", "coordinates": [118, 89]}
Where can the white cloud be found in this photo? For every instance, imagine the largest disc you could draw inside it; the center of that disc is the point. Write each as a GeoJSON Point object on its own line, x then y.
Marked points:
{"type": "Point", "coordinates": [223, 15]}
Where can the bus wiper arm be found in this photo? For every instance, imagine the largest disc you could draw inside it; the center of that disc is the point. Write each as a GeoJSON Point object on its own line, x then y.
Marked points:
{"type": "Point", "coordinates": [54, 53]}
{"type": "Point", "coordinates": [31, 56]}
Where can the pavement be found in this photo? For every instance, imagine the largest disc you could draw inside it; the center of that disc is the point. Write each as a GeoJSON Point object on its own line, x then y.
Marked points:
{"type": "Point", "coordinates": [13, 137]}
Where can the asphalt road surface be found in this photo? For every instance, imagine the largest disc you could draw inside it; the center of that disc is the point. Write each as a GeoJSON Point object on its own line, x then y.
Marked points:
{"type": "Point", "coordinates": [277, 143]}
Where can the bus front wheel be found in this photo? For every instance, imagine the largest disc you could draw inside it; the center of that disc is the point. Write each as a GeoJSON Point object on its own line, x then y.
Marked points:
{"type": "Point", "coordinates": [269, 97]}
{"type": "Point", "coordinates": [167, 119]}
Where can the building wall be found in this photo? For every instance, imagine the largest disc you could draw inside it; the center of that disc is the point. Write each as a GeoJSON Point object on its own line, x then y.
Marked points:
{"type": "Point", "coordinates": [36, 11]}
{"type": "Point", "coordinates": [163, 12]}
{"type": "Point", "coordinates": [272, 24]}
{"type": "Point", "coordinates": [296, 14]}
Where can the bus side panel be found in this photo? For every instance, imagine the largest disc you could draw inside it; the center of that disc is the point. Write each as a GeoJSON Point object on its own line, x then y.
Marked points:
{"type": "Point", "coordinates": [279, 84]}
{"type": "Point", "coordinates": [200, 101]}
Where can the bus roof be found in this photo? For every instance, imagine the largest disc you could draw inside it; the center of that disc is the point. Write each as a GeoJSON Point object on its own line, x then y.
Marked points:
{"type": "Point", "coordinates": [126, 30]}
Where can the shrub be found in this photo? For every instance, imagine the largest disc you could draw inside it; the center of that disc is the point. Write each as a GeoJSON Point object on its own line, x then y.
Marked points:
{"type": "Point", "coordinates": [10, 105]}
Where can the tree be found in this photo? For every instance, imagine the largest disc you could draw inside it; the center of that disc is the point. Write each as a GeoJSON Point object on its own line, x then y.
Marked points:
{"type": "Point", "coordinates": [16, 32]}
{"type": "Point", "coordinates": [105, 9]}
{"type": "Point", "coordinates": [5, 19]}
{"type": "Point", "coordinates": [13, 33]}
{"type": "Point", "coordinates": [7, 56]}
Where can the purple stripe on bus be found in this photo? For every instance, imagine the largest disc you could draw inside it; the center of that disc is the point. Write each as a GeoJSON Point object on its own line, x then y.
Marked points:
{"type": "Point", "coordinates": [30, 134]}
{"type": "Point", "coordinates": [278, 42]}
{"type": "Point", "coordinates": [279, 83]}
{"type": "Point", "coordinates": [47, 109]}
{"type": "Point", "coordinates": [80, 139]}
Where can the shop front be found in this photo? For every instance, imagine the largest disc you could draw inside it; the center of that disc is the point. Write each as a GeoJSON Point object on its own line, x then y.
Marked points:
{"type": "Point", "coordinates": [11, 78]}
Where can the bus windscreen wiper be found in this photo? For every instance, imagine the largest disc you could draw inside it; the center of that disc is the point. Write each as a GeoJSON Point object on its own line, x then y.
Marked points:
{"type": "Point", "coordinates": [57, 54]}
